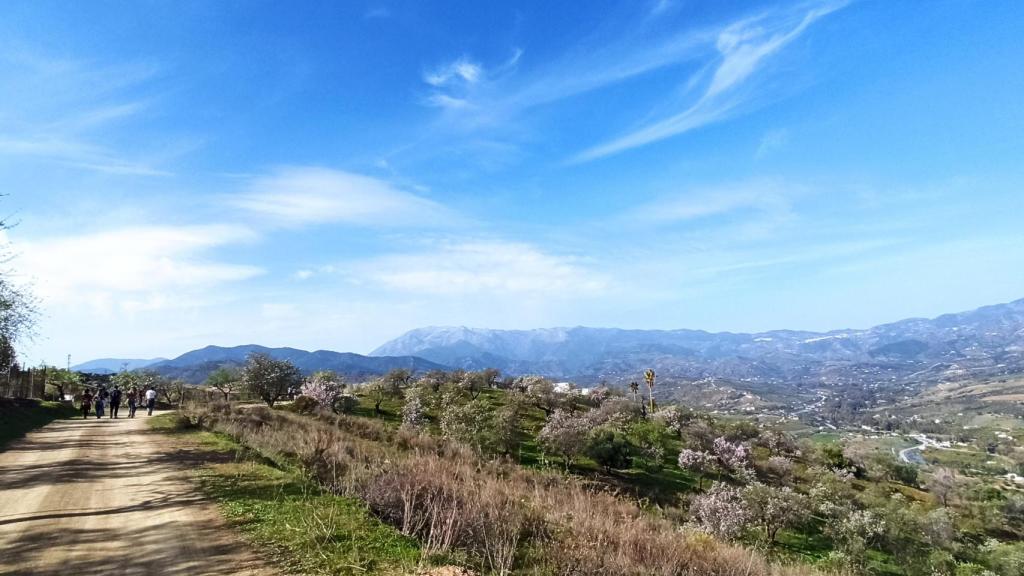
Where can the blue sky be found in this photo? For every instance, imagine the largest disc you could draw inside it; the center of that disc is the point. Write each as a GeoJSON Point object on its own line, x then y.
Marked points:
{"type": "Point", "coordinates": [329, 175]}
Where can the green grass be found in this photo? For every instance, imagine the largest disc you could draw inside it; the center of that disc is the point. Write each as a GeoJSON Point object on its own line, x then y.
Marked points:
{"type": "Point", "coordinates": [969, 462]}
{"type": "Point", "coordinates": [295, 523]}
{"type": "Point", "coordinates": [303, 528]}
{"type": "Point", "coordinates": [17, 417]}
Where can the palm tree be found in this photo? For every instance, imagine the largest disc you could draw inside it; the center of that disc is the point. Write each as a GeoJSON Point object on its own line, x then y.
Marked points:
{"type": "Point", "coordinates": [649, 376]}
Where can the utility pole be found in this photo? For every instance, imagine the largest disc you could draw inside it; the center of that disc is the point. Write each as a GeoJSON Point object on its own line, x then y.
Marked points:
{"type": "Point", "coordinates": [69, 363]}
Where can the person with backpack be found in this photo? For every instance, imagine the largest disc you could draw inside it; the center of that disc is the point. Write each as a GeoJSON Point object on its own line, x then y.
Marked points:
{"type": "Point", "coordinates": [101, 399]}
{"type": "Point", "coordinates": [133, 401]}
{"type": "Point", "coordinates": [115, 402]}
{"type": "Point", "coordinates": [150, 400]}
{"type": "Point", "coordinates": [86, 403]}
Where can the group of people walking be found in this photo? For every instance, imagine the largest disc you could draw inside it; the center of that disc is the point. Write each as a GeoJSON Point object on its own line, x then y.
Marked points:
{"type": "Point", "coordinates": [103, 399]}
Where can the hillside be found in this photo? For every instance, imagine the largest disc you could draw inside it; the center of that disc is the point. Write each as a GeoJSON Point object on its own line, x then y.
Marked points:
{"type": "Point", "coordinates": [985, 342]}
{"type": "Point", "coordinates": [196, 365]}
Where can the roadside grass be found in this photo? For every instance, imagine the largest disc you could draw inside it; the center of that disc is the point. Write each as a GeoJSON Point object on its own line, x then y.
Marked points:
{"type": "Point", "coordinates": [17, 417]}
{"type": "Point", "coordinates": [288, 518]}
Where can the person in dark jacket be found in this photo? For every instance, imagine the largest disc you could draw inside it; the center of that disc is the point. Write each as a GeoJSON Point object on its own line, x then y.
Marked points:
{"type": "Point", "coordinates": [100, 399]}
{"type": "Point", "coordinates": [86, 403]}
{"type": "Point", "coordinates": [115, 401]}
{"type": "Point", "coordinates": [133, 401]}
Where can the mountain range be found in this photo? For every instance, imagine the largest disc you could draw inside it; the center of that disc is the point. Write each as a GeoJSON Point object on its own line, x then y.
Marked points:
{"type": "Point", "coordinates": [112, 365]}
{"type": "Point", "coordinates": [196, 365]}
{"type": "Point", "coordinates": [988, 341]}
{"type": "Point", "coordinates": [985, 342]}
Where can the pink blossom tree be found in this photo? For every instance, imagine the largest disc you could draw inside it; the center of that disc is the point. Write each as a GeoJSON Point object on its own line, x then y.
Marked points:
{"type": "Point", "coordinates": [698, 462]}
{"type": "Point", "coordinates": [324, 387]}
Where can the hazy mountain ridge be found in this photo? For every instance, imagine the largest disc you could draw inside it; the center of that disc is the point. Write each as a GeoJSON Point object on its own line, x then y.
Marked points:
{"type": "Point", "coordinates": [112, 365]}
{"type": "Point", "coordinates": [196, 365]}
{"type": "Point", "coordinates": [986, 341]}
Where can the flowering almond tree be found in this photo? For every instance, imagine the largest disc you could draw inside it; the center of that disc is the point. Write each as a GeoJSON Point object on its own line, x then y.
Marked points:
{"type": "Point", "coordinates": [269, 379]}
{"type": "Point", "coordinates": [772, 508]}
{"type": "Point", "coordinates": [324, 387]}
{"type": "Point", "coordinates": [565, 434]}
{"type": "Point", "coordinates": [721, 511]}
{"type": "Point", "coordinates": [698, 462]}
{"type": "Point", "coordinates": [732, 456]}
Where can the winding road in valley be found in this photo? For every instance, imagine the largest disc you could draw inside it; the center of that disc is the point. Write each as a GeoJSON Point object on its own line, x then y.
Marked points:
{"type": "Point", "coordinates": [112, 498]}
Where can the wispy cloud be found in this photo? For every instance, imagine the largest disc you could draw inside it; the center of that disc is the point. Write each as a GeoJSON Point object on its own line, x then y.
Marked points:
{"type": "Point", "coordinates": [457, 84]}
{"type": "Point", "coordinates": [761, 196]}
{"type": "Point", "coordinates": [772, 140]}
{"type": "Point", "coordinates": [481, 267]}
{"type": "Point", "coordinates": [60, 111]}
{"type": "Point", "coordinates": [460, 70]}
{"type": "Point", "coordinates": [743, 48]}
{"type": "Point", "coordinates": [296, 196]}
{"type": "Point", "coordinates": [661, 6]}
{"type": "Point", "coordinates": [721, 60]}
{"type": "Point", "coordinates": [68, 151]}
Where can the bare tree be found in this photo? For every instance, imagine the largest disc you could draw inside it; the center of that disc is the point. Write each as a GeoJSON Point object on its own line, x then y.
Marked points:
{"type": "Point", "coordinates": [943, 485]}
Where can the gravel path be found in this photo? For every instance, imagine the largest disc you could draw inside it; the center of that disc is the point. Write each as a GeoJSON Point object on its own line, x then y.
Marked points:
{"type": "Point", "coordinates": [110, 497]}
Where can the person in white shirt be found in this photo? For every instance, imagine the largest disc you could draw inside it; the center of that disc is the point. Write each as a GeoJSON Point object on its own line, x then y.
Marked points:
{"type": "Point", "coordinates": [150, 400]}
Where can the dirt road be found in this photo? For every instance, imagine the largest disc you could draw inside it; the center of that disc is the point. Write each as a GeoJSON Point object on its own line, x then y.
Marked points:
{"type": "Point", "coordinates": [109, 497]}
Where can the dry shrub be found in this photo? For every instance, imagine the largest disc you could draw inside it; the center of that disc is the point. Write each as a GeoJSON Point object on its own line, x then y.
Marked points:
{"type": "Point", "coordinates": [502, 515]}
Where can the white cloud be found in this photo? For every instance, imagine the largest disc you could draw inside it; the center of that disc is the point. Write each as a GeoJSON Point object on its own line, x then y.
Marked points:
{"type": "Point", "coordinates": [460, 70]}
{"type": "Point", "coordinates": [742, 46]}
{"type": "Point", "coordinates": [482, 267]}
{"type": "Point", "coordinates": [306, 195]}
{"type": "Point", "coordinates": [136, 268]}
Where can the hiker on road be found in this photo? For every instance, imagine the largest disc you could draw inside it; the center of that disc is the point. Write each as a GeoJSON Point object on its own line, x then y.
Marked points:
{"type": "Point", "coordinates": [101, 399]}
{"type": "Point", "coordinates": [86, 403]}
{"type": "Point", "coordinates": [115, 401]}
{"type": "Point", "coordinates": [150, 400]}
{"type": "Point", "coordinates": [133, 401]}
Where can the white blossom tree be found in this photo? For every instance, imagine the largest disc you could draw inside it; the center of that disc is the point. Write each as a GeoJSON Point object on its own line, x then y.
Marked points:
{"type": "Point", "coordinates": [697, 462]}
{"type": "Point", "coordinates": [772, 508]}
{"type": "Point", "coordinates": [721, 511]}
{"type": "Point", "coordinates": [565, 434]}
{"type": "Point", "coordinates": [414, 412]}
{"type": "Point", "coordinates": [732, 456]}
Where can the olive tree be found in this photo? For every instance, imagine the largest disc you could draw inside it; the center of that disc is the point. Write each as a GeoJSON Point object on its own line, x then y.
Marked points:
{"type": "Point", "coordinates": [225, 379]}
{"type": "Point", "coordinates": [380, 390]}
{"type": "Point", "coordinates": [269, 379]}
